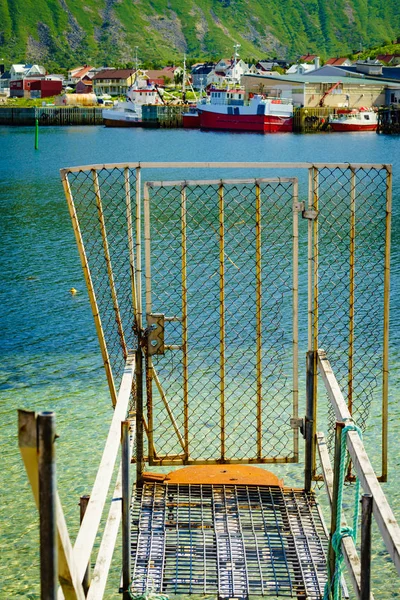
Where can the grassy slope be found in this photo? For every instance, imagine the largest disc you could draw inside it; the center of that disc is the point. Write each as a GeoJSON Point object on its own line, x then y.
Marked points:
{"type": "Point", "coordinates": [106, 32]}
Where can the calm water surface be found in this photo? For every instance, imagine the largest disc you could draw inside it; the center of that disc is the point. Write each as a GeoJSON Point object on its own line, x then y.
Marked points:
{"type": "Point", "coordinates": [49, 352]}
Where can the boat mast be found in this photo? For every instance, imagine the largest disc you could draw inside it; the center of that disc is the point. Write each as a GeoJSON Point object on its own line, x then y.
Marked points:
{"type": "Point", "coordinates": [184, 80]}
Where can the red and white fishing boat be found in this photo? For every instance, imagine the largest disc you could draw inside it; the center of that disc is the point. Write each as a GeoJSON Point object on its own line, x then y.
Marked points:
{"type": "Point", "coordinates": [362, 119]}
{"type": "Point", "coordinates": [227, 109]}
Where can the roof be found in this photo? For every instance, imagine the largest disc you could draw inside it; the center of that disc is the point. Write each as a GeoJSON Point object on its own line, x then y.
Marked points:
{"type": "Point", "coordinates": [387, 57]}
{"type": "Point", "coordinates": [114, 74]}
{"type": "Point", "coordinates": [320, 79]}
{"type": "Point", "coordinates": [308, 57]}
{"type": "Point", "coordinates": [82, 72]}
{"type": "Point", "coordinates": [336, 62]}
{"type": "Point", "coordinates": [388, 73]}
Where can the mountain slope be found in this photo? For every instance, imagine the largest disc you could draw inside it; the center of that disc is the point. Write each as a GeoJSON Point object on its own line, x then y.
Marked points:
{"type": "Point", "coordinates": [64, 32]}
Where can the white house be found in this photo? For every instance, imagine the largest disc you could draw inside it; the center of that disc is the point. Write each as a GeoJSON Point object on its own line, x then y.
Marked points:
{"type": "Point", "coordinates": [18, 71]}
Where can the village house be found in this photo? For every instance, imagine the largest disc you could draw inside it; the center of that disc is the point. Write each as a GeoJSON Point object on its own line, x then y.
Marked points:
{"type": "Point", "coordinates": [114, 82]}
{"type": "Point", "coordinates": [79, 73]}
{"type": "Point", "coordinates": [199, 74]}
{"type": "Point", "coordinates": [19, 71]}
{"type": "Point", "coordinates": [389, 59]}
{"type": "Point", "coordinates": [303, 67]}
{"type": "Point", "coordinates": [227, 71]}
{"type": "Point", "coordinates": [339, 62]}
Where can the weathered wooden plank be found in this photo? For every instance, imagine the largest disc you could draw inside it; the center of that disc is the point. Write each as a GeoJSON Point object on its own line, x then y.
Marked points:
{"type": "Point", "coordinates": [383, 514]}
{"type": "Point", "coordinates": [90, 524]}
{"type": "Point", "coordinates": [104, 557]}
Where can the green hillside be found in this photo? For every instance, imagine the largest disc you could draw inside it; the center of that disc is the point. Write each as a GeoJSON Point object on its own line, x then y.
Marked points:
{"type": "Point", "coordinates": [65, 32]}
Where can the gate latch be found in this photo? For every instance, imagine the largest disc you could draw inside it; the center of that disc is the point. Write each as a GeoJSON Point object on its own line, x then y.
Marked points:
{"type": "Point", "coordinates": [309, 213]}
{"type": "Point", "coordinates": [297, 423]}
{"type": "Point", "coordinates": [155, 333]}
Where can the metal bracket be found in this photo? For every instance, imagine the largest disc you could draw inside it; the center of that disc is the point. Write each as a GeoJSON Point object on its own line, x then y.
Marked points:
{"type": "Point", "coordinates": [297, 423]}
{"type": "Point", "coordinates": [299, 206]}
{"type": "Point", "coordinates": [309, 214]}
{"type": "Point", "coordinates": [155, 334]}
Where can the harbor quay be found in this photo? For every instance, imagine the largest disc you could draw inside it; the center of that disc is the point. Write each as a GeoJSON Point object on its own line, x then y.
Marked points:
{"type": "Point", "coordinates": [305, 120]}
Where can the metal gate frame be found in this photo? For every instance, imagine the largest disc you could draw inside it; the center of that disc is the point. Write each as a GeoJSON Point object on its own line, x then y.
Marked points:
{"type": "Point", "coordinates": [70, 177]}
{"type": "Point", "coordinates": [156, 343]}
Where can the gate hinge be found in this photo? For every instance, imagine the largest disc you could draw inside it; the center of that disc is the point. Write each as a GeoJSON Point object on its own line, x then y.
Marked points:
{"type": "Point", "coordinates": [297, 423]}
{"type": "Point", "coordinates": [155, 333]}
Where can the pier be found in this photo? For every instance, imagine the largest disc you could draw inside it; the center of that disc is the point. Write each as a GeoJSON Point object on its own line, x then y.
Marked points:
{"type": "Point", "coordinates": [194, 284]}
{"type": "Point", "coordinates": [46, 116]}
{"type": "Point", "coordinates": [389, 120]}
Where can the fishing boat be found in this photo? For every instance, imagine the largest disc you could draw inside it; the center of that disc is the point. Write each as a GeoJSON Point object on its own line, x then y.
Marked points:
{"type": "Point", "coordinates": [228, 109]}
{"type": "Point", "coordinates": [361, 119]}
{"type": "Point", "coordinates": [129, 113]}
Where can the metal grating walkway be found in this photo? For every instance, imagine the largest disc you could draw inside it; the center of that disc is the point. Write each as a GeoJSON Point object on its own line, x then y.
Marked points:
{"type": "Point", "coordinates": [229, 541]}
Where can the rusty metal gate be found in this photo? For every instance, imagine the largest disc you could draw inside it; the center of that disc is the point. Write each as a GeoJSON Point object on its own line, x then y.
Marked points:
{"type": "Point", "coordinates": [219, 297]}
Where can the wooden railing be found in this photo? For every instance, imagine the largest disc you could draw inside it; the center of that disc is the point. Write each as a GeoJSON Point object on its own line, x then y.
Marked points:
{"type": "Point", "coordinates": [73, 561]}
{"type": "Point", "coordinates": [384, 517]}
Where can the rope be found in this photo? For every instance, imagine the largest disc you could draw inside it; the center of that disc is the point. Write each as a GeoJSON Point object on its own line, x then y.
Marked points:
{"type": "Point", "coordinates": [333, 582]}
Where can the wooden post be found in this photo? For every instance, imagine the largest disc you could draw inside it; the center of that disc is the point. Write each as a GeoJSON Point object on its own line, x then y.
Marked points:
{"type": "Point", "coordinates": [309, 420]}
{"type": "Point", "coordinates": [84, 500]}
{"type": "Point", "coordinates": [336, 474]}
{"type": "Point", "coordinates": [47, 506]}
{"type": "Point", "coordinates": [126, 513]}
{"type": "Point", "coordinates": [139, 415]}
{"type": "Point", "coordinates": [366, 515]}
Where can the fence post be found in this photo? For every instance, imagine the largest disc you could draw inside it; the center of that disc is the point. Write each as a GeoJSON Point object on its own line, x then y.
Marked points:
{"type": "Point", "coordinates": [366, 514]}
{"type": "Point", "coordinates": [47, 506]}
{"type": "Point", "coordinates": [126, 513]}
{"type": "Point", "coordinates": [139, 414]}
{"type": "Point", "coordinates": [84, 500]}
{"type": "Point", "coordinates": [309, 425]}
{"type": "Point", "coordinates": [335, 494]}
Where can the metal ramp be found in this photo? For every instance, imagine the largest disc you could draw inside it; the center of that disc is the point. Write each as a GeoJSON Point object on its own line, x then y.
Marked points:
{"type": "Point", "coordinates": [227, 541]}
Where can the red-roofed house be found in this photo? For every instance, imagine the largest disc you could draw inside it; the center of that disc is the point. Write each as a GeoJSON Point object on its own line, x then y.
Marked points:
{"type": "Point", "coordinates": [77, 74]}
{"type": "Point", "coordinates": [307, 58]}
{"type": "Point", "coordinates": [389, 59]}
{"type": "Point", "coordinates": [339, 62]}
{"type": "Point", "coordinates": [84, 86]}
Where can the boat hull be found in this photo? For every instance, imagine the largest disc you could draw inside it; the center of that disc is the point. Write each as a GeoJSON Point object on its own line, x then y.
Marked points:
{"type": "Point", "coordinates": [257, 123]}
{"type": "Point", "coordinates": [191, 121]}
{"type": "Point", "coordinates": [121, 123]}
{"type": "Point", "coordinates": [353, 126]}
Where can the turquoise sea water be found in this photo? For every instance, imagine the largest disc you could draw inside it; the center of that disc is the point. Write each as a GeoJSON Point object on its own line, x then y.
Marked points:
{"type": "Point", "coordinates": [49, 351]}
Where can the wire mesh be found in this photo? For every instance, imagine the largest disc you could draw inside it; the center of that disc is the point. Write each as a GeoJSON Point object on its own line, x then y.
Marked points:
{"type": "Point", "coordinates": [350, 248]}
{"type": "Point", "coordinates": [239, 350]}
{"type": "Point", "coordinates": [101, 199]}
{"type": "Point", "coordinates": [227, 540]}
{"type": "Point", "coordinates": [222, 267]}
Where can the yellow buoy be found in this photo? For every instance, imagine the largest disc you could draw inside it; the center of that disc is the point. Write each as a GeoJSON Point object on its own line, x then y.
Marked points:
{"type": "Point", "coordinates": [73, 291]}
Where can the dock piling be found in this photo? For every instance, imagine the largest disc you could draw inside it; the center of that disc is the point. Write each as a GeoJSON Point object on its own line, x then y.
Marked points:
{"type": "Point", "coordinates": [126, 513]}
{"type": "Point", "coordinates": [84, 501]}
{"type": "Point", "coordinates": [366, 517]}
{"type": "Point", "coordinates": [47, 506]}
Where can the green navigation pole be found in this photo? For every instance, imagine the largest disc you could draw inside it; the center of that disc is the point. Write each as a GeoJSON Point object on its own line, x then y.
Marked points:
{"type": "Point", "coordinates": [36, 134]}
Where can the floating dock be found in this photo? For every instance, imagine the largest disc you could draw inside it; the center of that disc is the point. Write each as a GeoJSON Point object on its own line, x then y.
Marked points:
{"type": "Point", "coordinates": [203, 290]}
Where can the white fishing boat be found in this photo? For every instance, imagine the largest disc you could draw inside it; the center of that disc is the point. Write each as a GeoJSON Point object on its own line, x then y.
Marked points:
{"type": "Point", "coordinates": [362, 119]}
{"type": "Point", "coordinates": [129, 113]}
